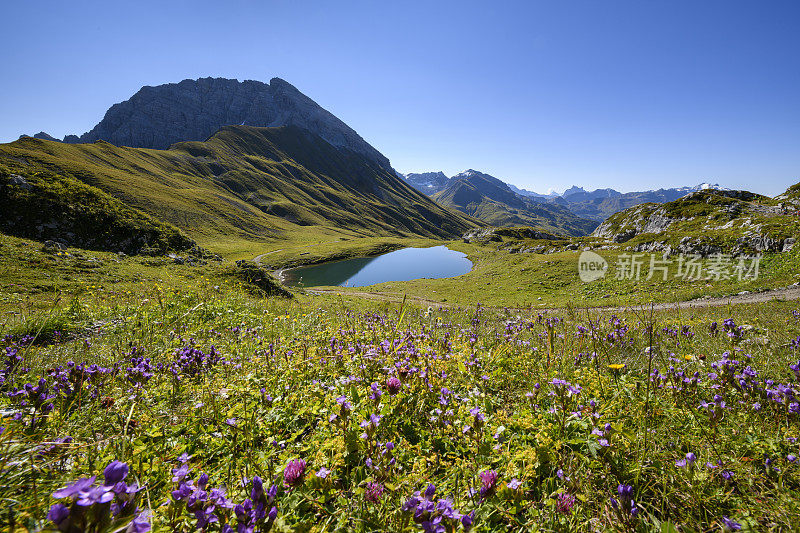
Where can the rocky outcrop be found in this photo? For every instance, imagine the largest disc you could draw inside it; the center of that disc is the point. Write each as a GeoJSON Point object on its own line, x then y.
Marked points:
{"type": "Point", "coordinates": [258, 279]}
{"type": "Point", "coordinates": [705, 223]}
{"type": "Point", "coordinates": [653, 218]}
{"type": "Point", "coordinates": [624, 226]}
{"type": "Point", "coordinates": [481, 235]}
{"type": "Point", "coordinates": [16, 180]}
{"type": "Point", "coordinates": [193, 110]}
{"type": "Point", "coordinates": [745, 245]}
{"type": "Point", "coordinates": [762, 243]}
{"type": "Point", "coordinates": [484, 235]}
{"type": "Point", "coordinates": [45, 136]}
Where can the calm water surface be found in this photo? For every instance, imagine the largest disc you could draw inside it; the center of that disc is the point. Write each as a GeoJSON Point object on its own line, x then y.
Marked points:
{"type": "Point", "coordinates": [401, 265]}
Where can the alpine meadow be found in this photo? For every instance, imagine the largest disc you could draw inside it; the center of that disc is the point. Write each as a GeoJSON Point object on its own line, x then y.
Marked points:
{"type": "Point", "coordinates": [223, 309]}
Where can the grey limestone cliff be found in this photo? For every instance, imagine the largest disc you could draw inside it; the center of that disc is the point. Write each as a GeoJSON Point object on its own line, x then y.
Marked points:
{"type": "Point", "coordinates": [193, 110]}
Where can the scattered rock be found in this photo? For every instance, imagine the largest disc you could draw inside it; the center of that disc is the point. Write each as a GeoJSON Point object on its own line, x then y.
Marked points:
{"type": "Point", "coordinates": [177, 259]}
{"type": "Point", "coordinates": [624, 236]}
{"type": "Point", "coordinates": [50, 246]}
{"type": "Point", "coordinates": [481, 235]}
{"type": "Point", "coordinates": [19, 181]}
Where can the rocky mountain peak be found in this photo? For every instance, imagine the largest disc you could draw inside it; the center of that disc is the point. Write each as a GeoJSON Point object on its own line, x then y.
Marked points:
{"type": "Point", "coordinates": [44, 136]}
{"type": "Point", "coordinates": [573, 190]}
{"type": "Point", "coordinates": [427, 182]}
{"type": "Point", "coordinates": [193, 110]}
{"type": "Point", "coordinates": [469, 173]}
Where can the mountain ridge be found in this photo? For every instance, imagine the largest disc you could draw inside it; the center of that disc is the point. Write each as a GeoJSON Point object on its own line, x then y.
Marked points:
{"type": "Point", "coordinates": [193, 110]}
{"type": "Point", "coordinates": [247, 183]}
{"type": "Point", "coordinates": [600, 204]}
{"type": "Point", "coordinates": [427, 182]}
{"type": "Point", "coordinates": [489, 199]}
{"type": "Point", "coordinates": [597, 204]}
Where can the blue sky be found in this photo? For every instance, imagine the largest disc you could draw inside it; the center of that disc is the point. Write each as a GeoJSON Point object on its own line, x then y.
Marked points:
{"type": "Point", "coordinates": [625, 94]}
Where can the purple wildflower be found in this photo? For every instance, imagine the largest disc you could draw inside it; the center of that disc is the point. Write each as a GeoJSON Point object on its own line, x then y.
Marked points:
{"type": "Point", "coordinates": [393, 385]}
{"type": "Point", "coordinates": [488, 482]}
{"type": "Point", "coordinates": [374, 492]}
{"type": "Point", "coordinates": [115, 472]}
{"type": "Point", "coordinates": [72, 490]}
{"type": "Point", "coordinates": [730, 525]}
{"type": "Point", "coordinates": [58, 514]}
{"type": "Point", "coordinates": [140, 524]}
{"type": "Point", "coordinates": [294, 472]}
{"type": "Point", "coordinates": [565, 503]}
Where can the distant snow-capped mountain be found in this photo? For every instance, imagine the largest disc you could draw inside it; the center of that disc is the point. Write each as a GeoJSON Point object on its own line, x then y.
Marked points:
{"type": "Point", "coordinates": [427, 182]}
{"type": "Point", "coordinates": [598, 204]}
{"type": "Point", "coordinates": [531, 194]}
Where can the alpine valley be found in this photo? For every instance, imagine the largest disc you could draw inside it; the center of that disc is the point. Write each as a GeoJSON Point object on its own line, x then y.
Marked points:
{"type": "Point", "coordinates": [185, 344]}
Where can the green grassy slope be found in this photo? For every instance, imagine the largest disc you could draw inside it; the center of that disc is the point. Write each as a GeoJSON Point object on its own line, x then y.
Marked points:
{"type": "Point", "coordinates": [48, 206]}
{"type": "Point", "coordinates": [490, 200]}
{"type": "Point", "coordinates": [247, 185]}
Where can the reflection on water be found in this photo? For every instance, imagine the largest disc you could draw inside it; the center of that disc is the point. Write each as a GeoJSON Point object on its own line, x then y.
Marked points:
{"type": "Point", "coordinates": [401, 265]}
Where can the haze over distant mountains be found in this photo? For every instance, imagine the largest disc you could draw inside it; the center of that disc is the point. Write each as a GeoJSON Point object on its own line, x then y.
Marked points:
{"type": "Point", "coordinates": [602, 203]}
{"type": "Point", "coordinates": [597, 205]}
{"type": "Point", "coordinates": [491, 200]}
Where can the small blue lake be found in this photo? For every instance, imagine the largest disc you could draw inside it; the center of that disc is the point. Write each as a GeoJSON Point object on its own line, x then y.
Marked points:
{"type": "Point", "coordinates": [401, 265]}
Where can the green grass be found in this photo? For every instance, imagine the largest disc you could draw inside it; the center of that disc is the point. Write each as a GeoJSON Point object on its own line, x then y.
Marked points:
{"type": "Point", "coordinates": [246, 187]}
{"type": "Point", "coordinates": [55, 206]}
{"type": "Point", "coordinates": [499, 278]}
{"type": "Point", "coordinates": [34, 281]}
{"type": "Point", "coordinates": [337, 249]}
{"type": "Point", "coordinates": [290, 360]}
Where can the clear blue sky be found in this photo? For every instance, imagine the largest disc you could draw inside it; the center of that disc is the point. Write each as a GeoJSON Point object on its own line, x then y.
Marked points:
{"type": "Point", "coordinates": [625, 94]}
